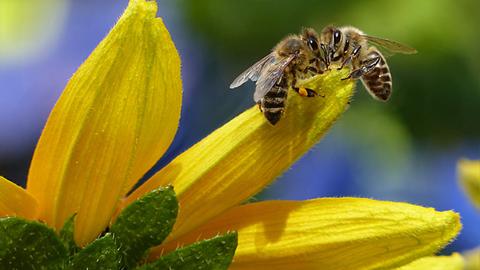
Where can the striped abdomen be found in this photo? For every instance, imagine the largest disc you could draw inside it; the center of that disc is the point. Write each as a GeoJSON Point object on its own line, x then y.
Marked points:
{"type": "Point", "coordinates": [378, 81]}
{"type": "Point", "coordinates": [274, 102]}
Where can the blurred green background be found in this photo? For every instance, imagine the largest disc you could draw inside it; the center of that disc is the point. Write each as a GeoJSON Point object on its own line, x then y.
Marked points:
{"type": "Point", "coordinates": [437, 91]}
{"type": "Point", "coordinates": [403, 150]}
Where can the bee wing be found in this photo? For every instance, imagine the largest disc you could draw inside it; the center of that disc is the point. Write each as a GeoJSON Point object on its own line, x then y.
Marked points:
{"type": "Point", "coordinates": [390, 45]}
{"type": "Point", "coordinates": [252, 72]}
{"type": "Point", "coordinates": [270, 76]}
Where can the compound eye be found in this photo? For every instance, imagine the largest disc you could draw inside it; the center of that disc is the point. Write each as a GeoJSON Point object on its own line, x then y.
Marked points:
{"type": "Point", "coordinates": [336, 37]}
{"type": "Point", "coordinates": [312, 43]}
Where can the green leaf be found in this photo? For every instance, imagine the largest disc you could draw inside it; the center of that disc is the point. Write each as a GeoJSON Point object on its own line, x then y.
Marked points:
{"type": "Point", "coordinates": [101, 254]}
{"type": "Point", "coordinates": [66, 235]}
{"type": "Point", "coordinates": [145, 223]}
{"type": "Point", "coordinates": [215, 254]}
{"type": "Point", "coordinates": [29, 245]}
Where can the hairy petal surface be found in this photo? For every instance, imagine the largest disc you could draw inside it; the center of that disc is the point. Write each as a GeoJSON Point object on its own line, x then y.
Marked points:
{"type": "Point", "coordinates": [116, 117]}
{"type": "Point", "coordinates": [240, 158]}
{"type": "Point", "coordinates": [329, 233]}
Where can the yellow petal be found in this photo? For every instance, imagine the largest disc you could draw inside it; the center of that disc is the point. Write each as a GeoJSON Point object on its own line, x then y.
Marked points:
{"type": "Point", "coordinates": [472, 259]}
{"type": "Point", "coordinates": [240, 158]}
{"type": "Point", "coordinates": [329, 233]}
{"type": "Point", "coordinates": [116, 117]}
{"type": "Point", "coordinates": [15, 201]}
{"type": "Point", "coordinates": [469, 176]}
{"type": "Point", "coordinates": [452, 262]}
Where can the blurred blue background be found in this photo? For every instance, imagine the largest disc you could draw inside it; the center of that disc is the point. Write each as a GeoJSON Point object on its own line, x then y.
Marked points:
{"type": "Point", "coordinates": [404, 150]}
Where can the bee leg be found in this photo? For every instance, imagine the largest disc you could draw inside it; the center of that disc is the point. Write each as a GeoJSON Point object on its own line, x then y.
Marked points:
{"type": "Point", "coordinates": [302, 91]}
{"type": "Point", "coordinates": [365, 68]}
{"type": "Point", "coordinates": [260, 106]}
{"type": "Point", "coordinates": [345, 62]}
{"type": "Point", "coordinates": [355, 74]}
{"type": "Point", "coordinates": [310, 92]}
{"type": "Point", "coordinates": [313, 93]}
{"type": "Point", "coordinates": [349, 59]}
{"type": "Point", "coordinates": [311, 69]}
{"type": "Point", "coordinates": [319, 64]}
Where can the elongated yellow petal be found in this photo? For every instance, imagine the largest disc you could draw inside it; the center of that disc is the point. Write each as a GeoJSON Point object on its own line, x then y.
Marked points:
{"type": "Point", "coordinates": [452, 262]}
{"type": "Point", "coordinates": [239, 159]}
{"type": "Point", "coordinates": [469, 176]}
{"type": "Point", "coordinates": [15, 201]}
{"type": "Point", "coordinates": [116, 117]}
{"type": "Point", "coordinates": [329, 233]}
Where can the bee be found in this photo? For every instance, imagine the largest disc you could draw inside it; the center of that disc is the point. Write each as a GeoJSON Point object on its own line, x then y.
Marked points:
{"type": "Point", "coordinates": [348, 45]}
{"type": "Point", "coordinates": [295, 57]}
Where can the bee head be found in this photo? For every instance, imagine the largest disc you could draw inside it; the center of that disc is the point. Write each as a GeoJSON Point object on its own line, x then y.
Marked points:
{"type": "Point", "coordinates": [332, 38]}
{"type": "Point", "coordinates": [310, 37]}
{"type": "Point", "coordinates": [290, 45]}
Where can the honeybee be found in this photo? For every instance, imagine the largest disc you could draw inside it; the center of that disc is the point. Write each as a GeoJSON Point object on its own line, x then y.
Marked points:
{"type": "Point", "coordinates": [293, 58]}
{"type": "Point", "coordinates": [348, 45]}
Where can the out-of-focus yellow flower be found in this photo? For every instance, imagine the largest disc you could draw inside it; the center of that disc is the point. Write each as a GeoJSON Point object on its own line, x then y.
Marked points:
{"type": "Point", "coordinates": [119, 113]}
{"type": "Point", "coordinates": [30, 29]}
{"type": "Point", "coordinates": [472, 259]}
{"type": "Point", "coordinates": [452, 262]}
{"type": "Point", "coordinates": [469, 177]}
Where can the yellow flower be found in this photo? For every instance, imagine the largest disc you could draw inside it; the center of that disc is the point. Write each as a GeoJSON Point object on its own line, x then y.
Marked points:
{"type": "Point", "coordinates": [469, 176]}
{"type": "Point", "coordinates": [472, 259]}
{"type": "Point", "coordinates": [119, 113]}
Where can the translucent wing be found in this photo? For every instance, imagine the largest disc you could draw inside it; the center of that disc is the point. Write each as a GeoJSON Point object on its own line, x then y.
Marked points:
{"type": "Point", "coordinates": [269, 76]}
{"type": "Point", "coordinates": [252, 72]}
{"type": "Point", "coordinates": [390, 45]}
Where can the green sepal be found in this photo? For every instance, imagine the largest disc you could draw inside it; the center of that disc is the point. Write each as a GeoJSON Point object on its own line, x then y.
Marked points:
{"type": "Point", "coordinates": [144, 223]}
{"type": "Point", "coordinates": [101, 254]}
{"type": "Point", "coordinates": [66, 235]}
{"type": "Point", "coordinates": [29, 245]}
{"type": "Point", "coordinates": [213, 254]}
